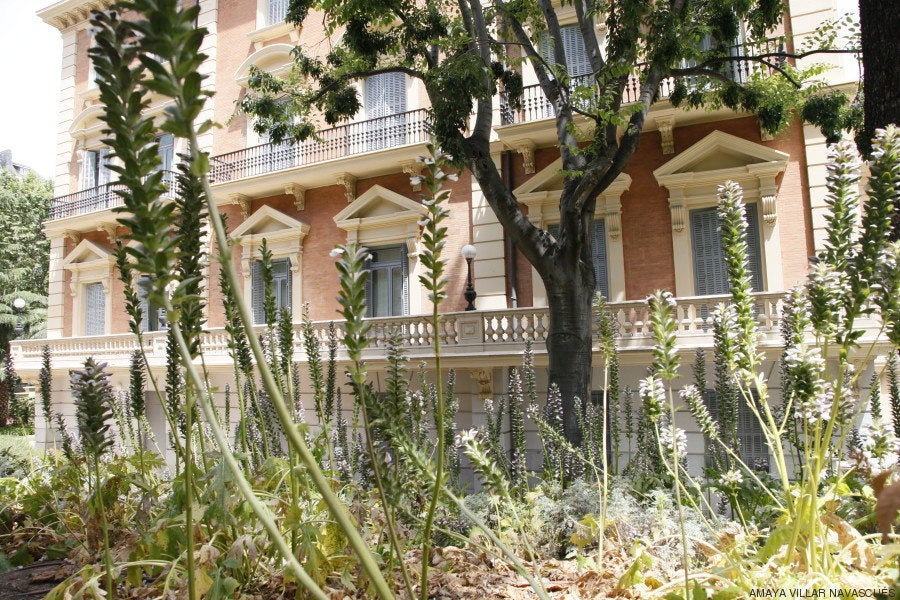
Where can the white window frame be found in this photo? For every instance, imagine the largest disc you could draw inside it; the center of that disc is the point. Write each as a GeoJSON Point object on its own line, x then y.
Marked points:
{"type": "Point", "coordinates": [88, 263]}
{"type": "Point", "coordinates": [692, 189]}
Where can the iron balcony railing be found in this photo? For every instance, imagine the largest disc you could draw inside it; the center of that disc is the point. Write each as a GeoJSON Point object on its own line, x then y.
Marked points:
{"type": "Point", "coordinates": [352, 139]}
{"type": "Point", "coordinates": [96, 198]}
{"type": "Point", "coordinates": [535, 105]}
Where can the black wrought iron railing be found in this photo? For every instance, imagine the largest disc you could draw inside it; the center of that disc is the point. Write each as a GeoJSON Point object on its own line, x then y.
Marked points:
{"type": "Point", "coordinates": [352, 139]}
{"type": "Point", "coordinates": [535, 105]}
{"type": "Point", "coordinates": [96, 198]}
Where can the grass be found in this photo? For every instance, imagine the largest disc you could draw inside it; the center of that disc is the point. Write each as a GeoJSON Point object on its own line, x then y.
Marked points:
{"type": "Point", "coordinates": [17, 440]}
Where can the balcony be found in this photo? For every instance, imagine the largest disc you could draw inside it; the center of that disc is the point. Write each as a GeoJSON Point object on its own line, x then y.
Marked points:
{"type": "Point", "coordinates": [481, 336]}
{"type": "Point", "coordinates": [536, 107]}
{"type": "Point", "coordinates": [343, 141]}
{"type": "Point", "coordinates": [94, 199]}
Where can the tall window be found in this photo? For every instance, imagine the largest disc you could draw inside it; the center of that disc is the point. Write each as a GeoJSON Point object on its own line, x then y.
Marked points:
{"type": "Point", "coordinates": [576, 58]}
{"type": "Point", "coordinates": [385, 101]}
{"type": "Point", "coordinates": [166, 151]}
{"type": "Point", "coordinates": [95, 169]}
{"type": "Point", "coordinates": [276, 11]}
{"type": "Point", "coordinates": [94, 309]}
{"type": "Point", "coordinates": [281, 287]}
{"type": "Point", "coordinates": [153, 317]}
{"type": "Point", "coordinates": [710, 275]}
{"type": "Point", "coordinates": [598, 254]}
{"type": "Point", "coordinates": [387, 290]}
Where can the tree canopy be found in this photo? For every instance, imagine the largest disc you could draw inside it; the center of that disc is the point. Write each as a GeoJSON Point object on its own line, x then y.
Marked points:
{"type": "Point", "coordinates": [467, 52]}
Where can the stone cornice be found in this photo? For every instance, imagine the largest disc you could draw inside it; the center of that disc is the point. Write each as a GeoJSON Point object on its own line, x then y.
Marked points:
{"type": "Point", "coordinates": [68, 13]}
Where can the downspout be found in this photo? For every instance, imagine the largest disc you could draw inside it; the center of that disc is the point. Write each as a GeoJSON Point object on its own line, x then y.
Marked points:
{"type": "Point", "coordinates": [506, 169]}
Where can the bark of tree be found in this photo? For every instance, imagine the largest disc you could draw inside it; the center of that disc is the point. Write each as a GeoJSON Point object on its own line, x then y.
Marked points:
{"type": "Point", "coordinates": [879, 23]}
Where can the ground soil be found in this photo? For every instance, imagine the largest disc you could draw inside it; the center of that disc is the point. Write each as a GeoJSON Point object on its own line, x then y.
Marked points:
{"type": "Point", "coordinates": [34, 580]}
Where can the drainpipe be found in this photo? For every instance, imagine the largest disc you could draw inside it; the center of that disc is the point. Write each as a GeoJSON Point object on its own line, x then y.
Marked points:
{"type": "Point", "coordinates": [506, 167]}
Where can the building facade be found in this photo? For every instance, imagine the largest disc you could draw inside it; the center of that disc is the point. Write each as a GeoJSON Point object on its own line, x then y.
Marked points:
{"type": "Point", "coordinates": [655, 226]}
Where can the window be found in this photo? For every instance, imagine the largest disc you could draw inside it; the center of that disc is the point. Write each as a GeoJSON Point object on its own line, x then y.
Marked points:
{"type": "Point", "coordinates": [577, 62]}
{"type": "Point", "coordinates": [94, 309]}
{"type": "Point", "coordinates": [751, 439]}
{"type": "Point", "coordinates": [95, 169]}
{"type": "Point", "coordinates": [166, 151]}
{"type": "Point", "coordinates": [387, 290]}
{"type": "Point", "coordinates": [281, 287]}
{"type": "Point", "coordinates": [598, 254]}
{"type": "Point", "coordinates": [710, 275]}
{"type": "Point", "coordinates": [153, 317]}
{"type": "Point", "coordinates": [385, 102]}
{"type": "Point", "coordinates": [276, 11]}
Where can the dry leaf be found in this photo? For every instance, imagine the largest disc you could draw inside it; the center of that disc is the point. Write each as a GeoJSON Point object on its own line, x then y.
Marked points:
{"type": "Point", "coordinates": [886, 509]}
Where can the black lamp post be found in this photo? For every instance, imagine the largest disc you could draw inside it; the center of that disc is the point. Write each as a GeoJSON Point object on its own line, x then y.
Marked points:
{"type": "Point", "coordinates": [18, 305]}
{"type": "Point", "coordinates": [468, 253]}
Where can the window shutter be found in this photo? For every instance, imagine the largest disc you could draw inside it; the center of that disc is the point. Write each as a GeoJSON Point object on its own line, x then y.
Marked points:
{"type": "Point", "coordinates": [709, 267]}
{"type": "Point", "coordinates": [89, 170]}
{"type": "Point", "coordinates": [142, 292]}
{"type": "Point", "coordinates": [750, 436]}
{"type": "Point", "coordinates": [370, 297]}
{"type": "Point", "coordinates": [404, 273]}
{"type": "Point", "coordinates": [577, 61]}
{"type": "Point", "coordinates": [710, 275]}
{"type": "Point", "coordinates": [277, 11]}
{"type": "Point", "coordinates": [103, 172]}
{"type": "Point", "coordinates": [754, 255]}
{"type": "Point", "coordinates": [257, 292]}
{"type": "Point", "coordinates": [545, 49]}
{"type": "Point", "coordinates": [166, 151]}
{"type": "Point", "coordinates": [281, 280]}
{"type": "Point", "coordinates": [598, 254]}
{"type": "Point", "coordinates": [95, 309]}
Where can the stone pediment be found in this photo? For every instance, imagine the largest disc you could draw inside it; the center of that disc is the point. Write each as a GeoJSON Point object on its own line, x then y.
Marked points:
{"type": "Point", "coordinates": [718, 157]}
{"type": "Point", "coordinates": [87, 253]}
{"type": "Point", "coordinates": [268, 222]}
{"type": "Point", "coordinates": [381, 215]}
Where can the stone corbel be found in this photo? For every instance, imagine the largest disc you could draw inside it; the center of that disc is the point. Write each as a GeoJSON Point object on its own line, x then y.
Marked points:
{"type": "Point", "coordinates": [765, 135]}
{"type": "Point", "coordinates": [295, 261]}
{"type": "Point", "coordinates": [679, 216]}
{"type": "Point", "coordinates": [412, 169]}
{"type": "Point", "coordinates": [299, 194]}
{"type": "Point", "coordinates": [348, 182]}
{"type": "Point", "coordinates": [526, 149]}
{"type": "Point", "coordinates": [768, 208]}
{"type": "Point", "coordinates": [72, 235]}
{"type": "Point", "coordinates": [484, 378]}
{"type": "Point", "coordinates": [412, 247]}
{"type": "Point", "coordinates": [242, 201]}
{"type": "Point", "coordinates": [110, 230]}
{"type": "Point", "coordinates": [613, 219]}
{"type": "Point", "coordinates": [666, 126]}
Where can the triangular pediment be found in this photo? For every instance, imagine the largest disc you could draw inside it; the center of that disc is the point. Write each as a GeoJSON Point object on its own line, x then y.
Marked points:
{"type": "Point", "coordinates": [86, 252]}
{"type": "Point", "coordinates": [549, 181]}
{"type": "Point", "coordinates": [267, 221]}
{"type": "Point", "coordinates": [380, 203]}
{"type": "Point", "coordinates": [720, 154]}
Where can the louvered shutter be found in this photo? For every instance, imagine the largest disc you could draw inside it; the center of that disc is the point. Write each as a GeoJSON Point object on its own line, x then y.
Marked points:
{"type": "Point", "coordinates": [599, 256]}
{"type": "Point", "coordinates": [142, 292]}
{"type": "Point", "coordinates": [754, 450]}
{"type": "Point", "coordinates": [577, 62]}
{"type": "Point", "coordinates": [257, 292]}
{"type": "Point", "coordinates": [385, 110]}
{"type": "Point", "coordinates": [281, 279]}
{"type": "Point", "coordinates": [104, 175]}
{"type": "Point", "coordinates": [166, 151]}
{"type": "Point", "coordinates": [710, 275]}
{"type": "Point", "coordinates": [404, 286]}
{"type": "Point", "coordinates": [370, 297]}
{"type": "Point", "coordinates": [94, 309]}
{"type": "Point", "coordinates": [89, 170]}
{"type": "Point", "coordinates": [277, 11]}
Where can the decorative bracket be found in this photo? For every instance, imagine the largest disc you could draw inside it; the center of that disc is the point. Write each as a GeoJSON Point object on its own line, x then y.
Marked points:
{"type": "Point", "coordinates": [412, 247]}
{"type": "Point", "coordinates": [612, 216]}
{"type": "Point", "coordinates": [242, 201]}
{"type": "Point", "coordinates": [110, 230]}
{"type": "Point", "coordinates": [765, 135]}
{"type": "Point", "coordinates": [485, 380]}
{"type": "Point", "coordinates": [299, 194]}
{"type": "Point", "coordinates": [348, 182]}
{"type": "Point", "coordinates": [72, 235]}
{"type": "Point", "coordinates": [526, 149]}
{"type": "Point", "coordinates": [678, 217]}
{"type": "Point", "coordinates": [412, 168]}
{"type": "Point", "coordinates": [768, 207]}
{"type": "Point", "coordinates": [666, 126]}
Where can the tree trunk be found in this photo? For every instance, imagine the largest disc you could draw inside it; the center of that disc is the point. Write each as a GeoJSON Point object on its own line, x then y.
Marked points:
{"type": "Point", "coordinates": [4, 402]}
{"type": "Point", "coordinates": [570, 292]}
{"type": "Point", "coordinates": [879, 23]}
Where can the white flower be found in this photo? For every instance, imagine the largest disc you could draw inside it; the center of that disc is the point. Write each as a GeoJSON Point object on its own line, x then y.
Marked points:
{"type": "Point", "coordinates": [416, 180]}
{"type": "Point", "coordinates": [653, 393]}
{"type": "Point", "coordinates": [690, 391]}
{"type": "Point", "coordinates": [732, 478]}
{"type": "Point", "coordinates": [336, 253]}
{"type": "Point", "coordinates": [674, 440]}
{"type": "Point", "coordinates": [465, 438]}
{"type": "Point", "coordinates": [453, 177]}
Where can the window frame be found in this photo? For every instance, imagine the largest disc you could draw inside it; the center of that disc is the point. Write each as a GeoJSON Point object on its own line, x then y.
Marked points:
{"type": "Point", "coordinates": [388, 266]}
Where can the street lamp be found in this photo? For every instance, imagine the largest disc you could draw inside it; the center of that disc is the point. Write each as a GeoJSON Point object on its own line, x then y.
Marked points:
{"type": "Point", "coordinates": [468, 252]}
{"type": "Point", "coordinates": [18, 305]}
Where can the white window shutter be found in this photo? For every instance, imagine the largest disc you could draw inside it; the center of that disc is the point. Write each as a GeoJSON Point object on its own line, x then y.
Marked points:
{"type": "Point", "coordinates": [94, 309]}
{"type": "Point", "coordinates": [277, 11]}
{"type": "Point", "coordinates": [576, 53]}
{"type": "Point", "coordinates": [710, 275]}
{"type": "Point", "coordinates": [89, 170]}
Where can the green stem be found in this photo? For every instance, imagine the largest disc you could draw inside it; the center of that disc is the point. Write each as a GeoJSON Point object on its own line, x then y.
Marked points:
{"type": "Point", "coordinates": [104, 526]}
{"type": "Point", "coordinates": [336, 507]}
{"type": "Point", "coordinates": [189, 486]}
